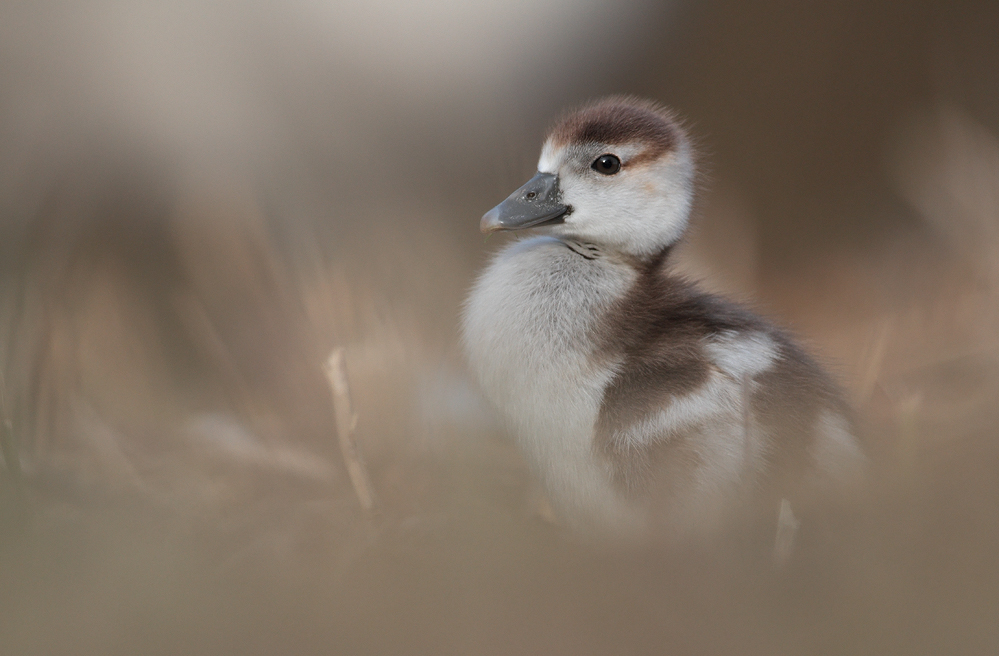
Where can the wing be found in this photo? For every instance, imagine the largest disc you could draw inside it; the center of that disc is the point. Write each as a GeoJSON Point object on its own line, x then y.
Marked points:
{"type": "Point", "coordinates": [735, 409]}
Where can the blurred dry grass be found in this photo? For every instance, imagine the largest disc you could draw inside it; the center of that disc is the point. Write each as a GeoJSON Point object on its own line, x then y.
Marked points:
{"type": "Point", "coordinates": [189, 231]}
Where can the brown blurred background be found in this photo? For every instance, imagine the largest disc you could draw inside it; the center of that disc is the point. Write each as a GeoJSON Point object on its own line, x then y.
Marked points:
{"type": "Point", "coordinates": [198, 201]}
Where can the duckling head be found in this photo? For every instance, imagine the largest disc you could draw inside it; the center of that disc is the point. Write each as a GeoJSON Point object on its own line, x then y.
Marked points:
{"type": "Point", "coordinates": [617, 173]}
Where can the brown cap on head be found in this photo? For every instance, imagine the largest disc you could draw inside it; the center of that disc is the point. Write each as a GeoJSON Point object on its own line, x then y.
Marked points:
{"type": "Point", "coordinates": [620, 120]}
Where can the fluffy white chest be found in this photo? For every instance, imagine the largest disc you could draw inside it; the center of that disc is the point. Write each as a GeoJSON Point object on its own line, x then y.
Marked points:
{"type": "Point", "coordinates": [528, 332]}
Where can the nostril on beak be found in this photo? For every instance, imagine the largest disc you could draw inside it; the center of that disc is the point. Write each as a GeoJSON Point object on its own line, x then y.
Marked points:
{"type": "Point", "coordinates": [531, 195]}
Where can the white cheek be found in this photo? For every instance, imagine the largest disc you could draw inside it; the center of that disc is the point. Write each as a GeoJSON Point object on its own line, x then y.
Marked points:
{"type": "Point", "coordinates": [639, 211]}
{"type": "Point", "coordinates": [618, 211]}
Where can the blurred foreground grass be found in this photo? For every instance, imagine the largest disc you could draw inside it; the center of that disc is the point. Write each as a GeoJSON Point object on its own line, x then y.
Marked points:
{"type": "Point", "coordinates": [182, 491]}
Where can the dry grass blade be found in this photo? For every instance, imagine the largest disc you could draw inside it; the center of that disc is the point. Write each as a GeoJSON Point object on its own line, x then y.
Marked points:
{"type": "Point", "coordinates": [787, 528]}
{"type": "Point", "coordinates": [336, 373]}
{"type": "Point", "coordinates": [874, 356]}
{"type": "Point", "coordinates": [9, 451]}
{"type": "Point", "coordinates": [8, 445]}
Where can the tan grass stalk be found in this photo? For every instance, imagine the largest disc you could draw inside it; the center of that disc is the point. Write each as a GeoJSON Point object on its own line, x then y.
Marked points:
{"type": "Point", "coordinates": [877, 346]}
{"type": "Point", "coordinates": [346, 421]}
{"type": "Point", "coordinates": [787, 528]}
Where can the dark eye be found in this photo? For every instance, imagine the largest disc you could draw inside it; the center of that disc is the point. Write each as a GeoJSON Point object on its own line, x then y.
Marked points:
{"type": "Point", "coordinates": [607, 164]}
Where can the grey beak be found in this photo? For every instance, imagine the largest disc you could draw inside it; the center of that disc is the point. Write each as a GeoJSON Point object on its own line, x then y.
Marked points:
{"type": "Point", "coordinates": [539, 202]}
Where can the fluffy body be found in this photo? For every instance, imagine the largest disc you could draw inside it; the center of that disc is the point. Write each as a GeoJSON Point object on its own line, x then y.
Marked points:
{"type": "Point", "coordinates": [644, 405]}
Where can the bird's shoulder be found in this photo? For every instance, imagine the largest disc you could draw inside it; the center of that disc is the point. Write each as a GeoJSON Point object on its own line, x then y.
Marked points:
{"type": "Point", "coordinates": [668, 337]}
{"type": "Point", "coordinates": [688, 360]}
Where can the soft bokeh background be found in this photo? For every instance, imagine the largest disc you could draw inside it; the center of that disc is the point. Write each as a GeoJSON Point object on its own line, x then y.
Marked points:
{"type": "Point", "coordinates": [199, 200]}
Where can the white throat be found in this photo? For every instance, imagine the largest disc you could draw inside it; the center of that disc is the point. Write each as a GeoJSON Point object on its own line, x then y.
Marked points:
{"type": "Point", "coordinates": [529, 334]}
